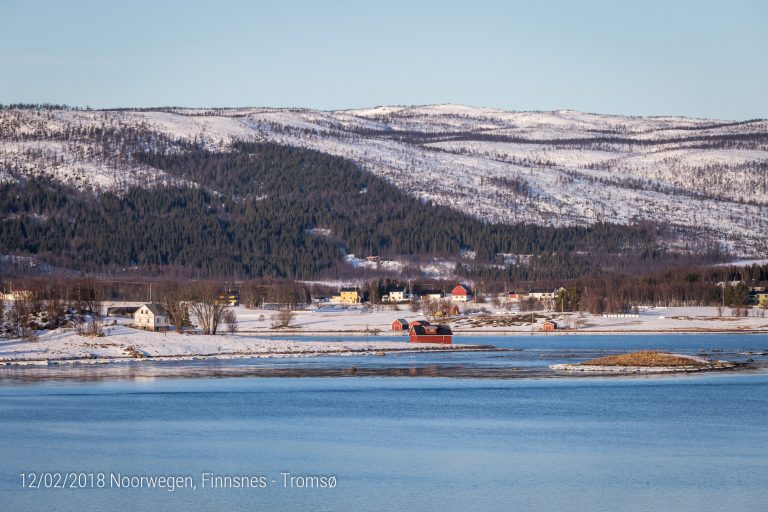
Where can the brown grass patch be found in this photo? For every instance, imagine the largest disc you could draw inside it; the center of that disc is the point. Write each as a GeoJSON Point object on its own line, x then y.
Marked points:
{"type": "Point", "coordinates": [504, 320]}
{"type": "Point", "coordinates": [645, 358]}
{"type": "Point", "coordinates": [133, 352]}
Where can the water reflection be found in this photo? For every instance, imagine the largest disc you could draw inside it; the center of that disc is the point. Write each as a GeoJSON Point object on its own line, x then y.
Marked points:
{"type": "Point", "coordinates": [477, 365]}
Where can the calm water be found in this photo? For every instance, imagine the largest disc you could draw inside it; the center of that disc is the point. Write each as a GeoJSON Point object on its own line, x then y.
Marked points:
{"type": "Point", "coordinates": [692, 442]}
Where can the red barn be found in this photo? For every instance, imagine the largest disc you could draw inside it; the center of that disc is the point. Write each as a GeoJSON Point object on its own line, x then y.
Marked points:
{"type": "Point", "coordinates": [431, 334]}
{"type": "Point", "coordinates": [400, 325]}
{"type": "Point", "coordinates": [417, 322]}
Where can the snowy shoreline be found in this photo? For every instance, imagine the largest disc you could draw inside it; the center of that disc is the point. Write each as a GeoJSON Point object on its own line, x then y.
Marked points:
{"type": "Point", "coordinates": [377, 351]}
{"type": "Point", "coordinates": [498, 332]}
{"type": "Point", "coordinates": [345, 326]}
{"type": "Point", "coordinates": [123, 343]}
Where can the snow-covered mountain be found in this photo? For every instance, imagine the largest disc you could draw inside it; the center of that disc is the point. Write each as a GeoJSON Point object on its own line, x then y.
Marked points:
{"type": "Point", "coordinates": [709, 177]}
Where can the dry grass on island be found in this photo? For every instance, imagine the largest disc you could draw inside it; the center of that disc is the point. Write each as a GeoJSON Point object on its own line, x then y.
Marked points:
{"type": "Point", "coordinates": [645, 361]}
{"type": "Point", "coordinates": [647, 358]}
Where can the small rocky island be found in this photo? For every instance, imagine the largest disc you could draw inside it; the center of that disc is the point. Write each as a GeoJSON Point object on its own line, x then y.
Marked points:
{"type": "Point", "coordinates": [646, 361]}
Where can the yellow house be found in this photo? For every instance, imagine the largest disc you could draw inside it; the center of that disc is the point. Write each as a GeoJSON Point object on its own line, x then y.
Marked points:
{"type": "Point", "coordinates": [349, 296]}
{"type": "Point", "coordinates": [759, 297]}
{"type": "Point", "coordinates": [231, 297]}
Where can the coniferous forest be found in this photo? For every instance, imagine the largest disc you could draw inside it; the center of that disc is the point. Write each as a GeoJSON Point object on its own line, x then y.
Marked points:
{"type": "Point", "coordinates": [264, 209]}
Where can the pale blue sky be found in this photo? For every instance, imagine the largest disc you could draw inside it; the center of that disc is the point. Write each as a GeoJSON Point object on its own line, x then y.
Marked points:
{"type": "Point", "coordinates": [697, 58]}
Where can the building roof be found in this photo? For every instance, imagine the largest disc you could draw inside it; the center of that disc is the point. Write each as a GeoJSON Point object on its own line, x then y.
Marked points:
{"type": "Point", "coordinates": [433, 330]}
{"type": "Point", "coordinates": [156, 309]}
{"type": "Point", "coordinates": [461, 289]}
{"type": "Point", "coordinates": [343, 290]}
{"type": "Point", "coordinates": [122, 310]}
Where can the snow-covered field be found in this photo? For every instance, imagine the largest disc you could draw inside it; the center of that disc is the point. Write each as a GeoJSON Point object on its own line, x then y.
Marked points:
{"type": "Point", "coordinates": [354, 320]}
{"type": "Point", "coordinates": [649, 320]}
{"type": "Point", "coordinates": [123, 342]}
{"type": "Point", "coordinates": [554, 168]}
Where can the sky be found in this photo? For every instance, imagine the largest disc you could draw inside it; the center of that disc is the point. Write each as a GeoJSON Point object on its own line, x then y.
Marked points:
{"type": "Point", "coordinates": [693, 58]}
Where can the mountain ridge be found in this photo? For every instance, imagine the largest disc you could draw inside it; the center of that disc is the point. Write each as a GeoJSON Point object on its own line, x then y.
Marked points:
{"type": "Point", "coordinates": [553, 168]}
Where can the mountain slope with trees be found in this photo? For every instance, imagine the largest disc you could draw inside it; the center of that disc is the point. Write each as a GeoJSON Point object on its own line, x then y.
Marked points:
{"type": "Point", "coordinates": [264, 209]}
{"type": "Point", "coordinates": [705, 179]}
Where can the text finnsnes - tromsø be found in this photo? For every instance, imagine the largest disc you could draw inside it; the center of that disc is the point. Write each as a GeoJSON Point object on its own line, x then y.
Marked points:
{"type": "Point", "coordinates": [171, 483]}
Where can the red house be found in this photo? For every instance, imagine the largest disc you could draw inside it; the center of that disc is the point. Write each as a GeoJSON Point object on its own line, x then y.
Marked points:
{"type": "Point", "coordinates": [461, 293]}
{"type": "Point", "coordinates": [400, 325]}
{"type": "Point", "coordinates": [431, 334]}
{"type": "Point", "coordinates": [417, 322]}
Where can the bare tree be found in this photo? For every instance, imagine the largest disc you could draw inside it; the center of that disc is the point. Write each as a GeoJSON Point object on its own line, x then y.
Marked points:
{"type": "Point", "coordinates": [230, 318]}
{"type": "Point", "coordinates": [282, 319]}
{"type": "Point", "coordinates": [55, 311]}
{"type": "Point", "coordinates": [18, 316]}
{"type": "Point", "coordinates": [207, 307]}
{"type": "Point", "coordinates": [178, 312]}
{"type": "Point", "coordinates": [252, 295]}
{"type": "Point", "coordinates": [91, 327]}
{"type": "Point", "coordinates": [87, 299]}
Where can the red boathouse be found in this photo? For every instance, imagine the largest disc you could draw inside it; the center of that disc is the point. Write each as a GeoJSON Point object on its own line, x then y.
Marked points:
{"type": "Point", "coordinates": [549, 326]}
{"type": "Point", "coordinates": [417, 322]}
{"type": "Point", "coordinates": [400, 325]}
{"type": "Point", "coordinates": [431, 334]}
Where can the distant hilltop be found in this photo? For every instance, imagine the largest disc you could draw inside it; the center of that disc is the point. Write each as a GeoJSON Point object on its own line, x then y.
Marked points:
{"type": "Point", "coordinates": [707, 178]}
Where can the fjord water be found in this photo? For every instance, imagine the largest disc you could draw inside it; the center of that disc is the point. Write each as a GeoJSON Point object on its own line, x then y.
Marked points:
{"type": "Point", "coordinates": [692, 442]}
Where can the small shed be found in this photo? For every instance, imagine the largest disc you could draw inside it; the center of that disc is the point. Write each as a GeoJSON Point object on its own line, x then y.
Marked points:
{"type": "Point", "coordinates": [549, 326]}
{"type": "Point", "coordinates": [400, 324]}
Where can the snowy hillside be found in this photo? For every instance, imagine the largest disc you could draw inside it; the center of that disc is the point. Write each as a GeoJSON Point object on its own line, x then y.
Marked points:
{"type": "Point", "coordinates": [554, 168]}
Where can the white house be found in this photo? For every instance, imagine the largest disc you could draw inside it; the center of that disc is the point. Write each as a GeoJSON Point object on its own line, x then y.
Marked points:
{"type": "Point", "coordinates": [432, 295]}
{"type": "Point", "coordinates": [461, 293]}
{"type": "Point", "coordinates": [151, 317]}
{"type": "Point", "coordinates": [395, 296]}
{"type": "Point", "coordinates": [542, 294]}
